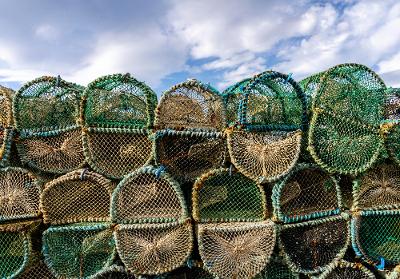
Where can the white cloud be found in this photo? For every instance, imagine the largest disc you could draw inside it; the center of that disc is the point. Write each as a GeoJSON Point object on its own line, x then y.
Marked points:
{"type": "Point", "coordinates": [47, 32]}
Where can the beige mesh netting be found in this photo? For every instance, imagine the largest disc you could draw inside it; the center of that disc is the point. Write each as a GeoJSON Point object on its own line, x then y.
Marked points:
{"type": "Point", "coordinates": [79, 196]}
{"type": "Point", "coordinates": [347, 270]}
{"type": "Point", "coordinates": [46, 112]}
{"type": "Point", "coordinates": [154, 235]}
{"type": "Point", "coordinates": [235, 239]}
{"type": "Point", "coordinates": [6, 123]}
{"type": "Point", "coordinates": [265, 143]}
{"type": "Point", "coordinates": [114, 272]}
{"type": "Point", "coordinates": [378, 188]}
{"type": "Point", "coordinates": [307, 193]}
{"type": "Point", "coordinates": [118, 112]}
{"type": "Point", "coordinates": [19, 194]}
{"type": "Point", "coordinates": [37, 270]}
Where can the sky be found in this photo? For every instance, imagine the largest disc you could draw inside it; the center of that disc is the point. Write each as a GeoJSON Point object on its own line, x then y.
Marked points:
{"type": "Point", "coordinates": [216, 41]}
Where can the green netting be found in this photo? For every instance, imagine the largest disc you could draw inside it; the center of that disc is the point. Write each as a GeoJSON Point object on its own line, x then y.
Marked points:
{"type": "Point", "coordinates": [79, 196]}
{"type": "Point", "coordinates": [222, 195]}
{"type": "Point", "coordinates": [378, 188]}
{"type": "Point", "coordinates": [19, 194]}
{"type": "Point", "coordinates": [233, 98]}
{"type": "Point", "coordinates": [313, 246]}
{"type": "Point", "coordinates": [6, 123]}
{"type": "Point", "coordinates": [307, 193]}
{"type": "Point", "coordinates": [236, 249]}
{"type": "Point", "coordinates": [273, 114]}
{"type": "Point", "coordinates": [391, 126]}
{"type": "Point", "coordinates": [347, 270]}
{"type": "Point", "coordinates": [118, 112]}
{"type": "Point", "coordinates": [277, 268]}
{"type": "Point", "coordinates": [15, 248]}
{"type": "Point", "coordinates": [191, 105]}
{"type": "Point", "coordinates": [79, 250]}
{"type": "Point", "coordinates": [345, 133]}
{"type": "Point", "coordinates": [376, 235]}
{"type": "Point", "coordinates": [310, 86]}
{"type": "Point", "coordinates": [36, 270]}
{"type": "Point", "coordinates": [148, 195]}
{"type": "Point", "coordinates": [114, 272]}
{"type": "Point", "coordinates": [189, 154]}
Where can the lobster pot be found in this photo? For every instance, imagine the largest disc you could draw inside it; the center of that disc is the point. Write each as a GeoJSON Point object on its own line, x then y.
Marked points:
{"type": "Point", "coordinates": [310, 86]}
{"type": "Point", "coordinates": [236, 249]}
{"type": "Point", "coordinates": [378, 188]}
{"type": "Point", "coordinates": [376, 235]}
{"type": "Point", "coordinates": [189, 273]}
{"type": "Point", "coordinates": [118, 112]}
{"type": "Point", "coordinates": [79, 196]}
{"type": "Point", "coordinates": [307, 193]}
{"type": "Point", "coordinates": [19, 194]}
{"type": "Point", "coordinates": [6, 123]}
{"type": "Point", "coordinates": [37, 270]}
{"type": "Point", "coordinates": [154, 234]}
{"type": "Point", "coordinates": [46, 112]}
{"type": "Point", "coordinates": [154, 248]}
{"type": "Point", "coordinates": [346, 270]}
{"type": "Point", "coordinates": [235, 239]}
{"type": "Point", "coordinates": [114, 272]}
{"type": "Point", "coordinates": [16, 253]}
{"type": "Point", "coordinates": [392, 128]}
{"type": "Point", "coordinates": [395, 274]}
{"type": "Point", "coordinates": [189, 154]}
{"type": "Point", "coordinates": [79, 250]}
{"type": "Point", "coordinates": [272, 116]}
{"type": "Point", "coordinates": [233, 98]}
{"type": "Point", "coordinates": [344, 134]}
{"type": "Point", "coordinates": [277, 268]}
{"type": "Point", "coordinates": [312, 247]}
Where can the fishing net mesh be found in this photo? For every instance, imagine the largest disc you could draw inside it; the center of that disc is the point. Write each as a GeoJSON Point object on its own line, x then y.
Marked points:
{"type": "Point", "coordinates": [189, 273]}
{"type": "Point", "coordinates": [6, 121]}
{"type": "Point", "coordinates": [37, 270]}
{"type": "Point", "coordinates": [114, 272]}
{"type": "Point", "coordinates": [47, 117]}
{"type": "Point", "coordinates": [224, 196]}
{"type": "Point", "coordinates": [379, 188]}
{"type": "Point", "coordinates": [346, 270]}
{"type": "Point", "coordinates": [19, 194]}
{"type": "Point", "coordinates": [144, 197]}
{"type": "Point", "coordinates": [277, 268]}
{"type": "Point", "coordinates": [348, 109]}
{"type": "Point", "coordinates": [233, 96]}
{"type": "Point", "coordinates": [312, 246]}
{"type": "Point", "coordinates": [264, 156]}
{"type": "Point", "coordinates": [154, 248]}
{"type": "Point", "coordinates": [87, 248]}
{"type": "Point", "coordinates": [310, 86]}
{"type": "Point", "coordinates": [236, 250]}
{"type": "Point", "coordinates": [78, 196]}
{"type": "Point", "coordinates": [117, 110]}
{"type": "Point", "coordinates": [191, 105]}
{"type": "Point", "coordinates": [188, 155]}
{"type": "Point", "coordinates": [308, 192]}
{"type": "Point", "coordinates": [378, 236]}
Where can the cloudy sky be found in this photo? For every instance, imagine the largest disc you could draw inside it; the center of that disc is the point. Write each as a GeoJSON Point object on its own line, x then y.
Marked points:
{"type": "Point", "coordinates": [216, 41]}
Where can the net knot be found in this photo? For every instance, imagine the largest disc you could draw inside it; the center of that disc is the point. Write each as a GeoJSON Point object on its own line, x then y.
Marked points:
{"type": "Point", "coordinates": [84, 171]}
{"type": "Point", "coordinates": [160, 170]}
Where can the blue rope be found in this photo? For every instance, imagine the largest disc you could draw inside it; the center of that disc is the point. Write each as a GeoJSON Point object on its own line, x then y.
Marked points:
{"type": "Point", "coordinates": [288, 77]}
{"type": "Point", "coordinates": [83, 173]}
{"type": "Point", "coordinates": [381, 265]}
{"type": "Point", "coordinates": [159, 171]}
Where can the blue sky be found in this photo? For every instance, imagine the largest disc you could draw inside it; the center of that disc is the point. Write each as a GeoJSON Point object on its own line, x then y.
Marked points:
{"type": "Point", "coordinates": [216, 41]}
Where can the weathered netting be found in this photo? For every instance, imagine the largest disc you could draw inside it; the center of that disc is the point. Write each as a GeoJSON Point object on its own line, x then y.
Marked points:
{"type": "Point", "coordinates": [236, 249]}
{"type": "Point", "coordinates": [6, 123]}
{"type": "Point", "coordinates": [19, 194]}
{"type": "Point", "coordinates": [154, 235]}
{"type": "Point", "coordinates": [311, 247]}
{"type": "Point", "coordinates": [378, 188]}
{"type": "Point", "coordinates": [46, 112]}
{"type": "Point", "coordinates": [391, 127]}
{"type": "Point", "coordinates": [272, 116]}
{"type": "Point", "coordinates": [277, 268]}
{"type": "Point", "coordinates": [392, 104]}
{"type": "Point", "coordinates": [191, 105]}
{"type": "Point", "coordinates": [307, 193]}
{"type": "Point", "coordinates": [79, 196]}
{"type": "Point", "coordinates": [188, 273]}
{"type": "Point", "coordinates": [233, 97]}
{"type": "Point", "coordinates": [118, 110]}
{"type": "Point", "coordinates": [345, 133]}
{"type": "Point", "coordinates": [37, 270]}
{"type": "Point", "coordinates": [395, 274]}
{"type": "Point", "coordinates": [347, 270]}
{"type": "Point", "coordinates": [189, 154]}
{"type": "Point", "coordinates": [225, 195]}
{"type": "Point", "coordinates": [114, 272]}
{"type": "Point", "coordinates": [78, 250]}
{"type": "Point", "coordinates": [16, 248]}
{"type": "Point", "coordinates": [376, 235]}
{"type": "Point", "coordinates": [310, 86]}
{"type": "Point", "coordinates": [235, 240]}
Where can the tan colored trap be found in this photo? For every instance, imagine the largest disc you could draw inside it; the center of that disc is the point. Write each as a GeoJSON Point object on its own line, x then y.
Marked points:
{"type": "Point", "coordinates": [118, 112]}
{"type": "Point", "coordinates": [346, 270]}
{"type": "Point", "coordinates": [19, 194]}
{"type": "Point", "coordinates": [6, 124]}
{"type": "Point", "coordinates": [79, 196]}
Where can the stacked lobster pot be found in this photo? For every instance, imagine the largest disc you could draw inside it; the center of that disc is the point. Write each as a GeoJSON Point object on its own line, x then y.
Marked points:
{"type": "Point", "coordinates": [117, 112]}
{"type": "Point", "coordinates": [19, 221]}
{"type": "Point", "coordinates": [77, 208]}
{"type": "Point", "coordinates": [153, 233]}
{"type": "Point", "coordinates": [189, 140]}
{"type": "Point", "coordinates": [344, 269]}
{"type": "Point", "coordinates": [6, 124]}
{"type": "Point", "coordinates": [314, 232]}
{"type": "Point", "coordinates": [277, 268]}
{"type": "Point", "coordinates": [235, 237]}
